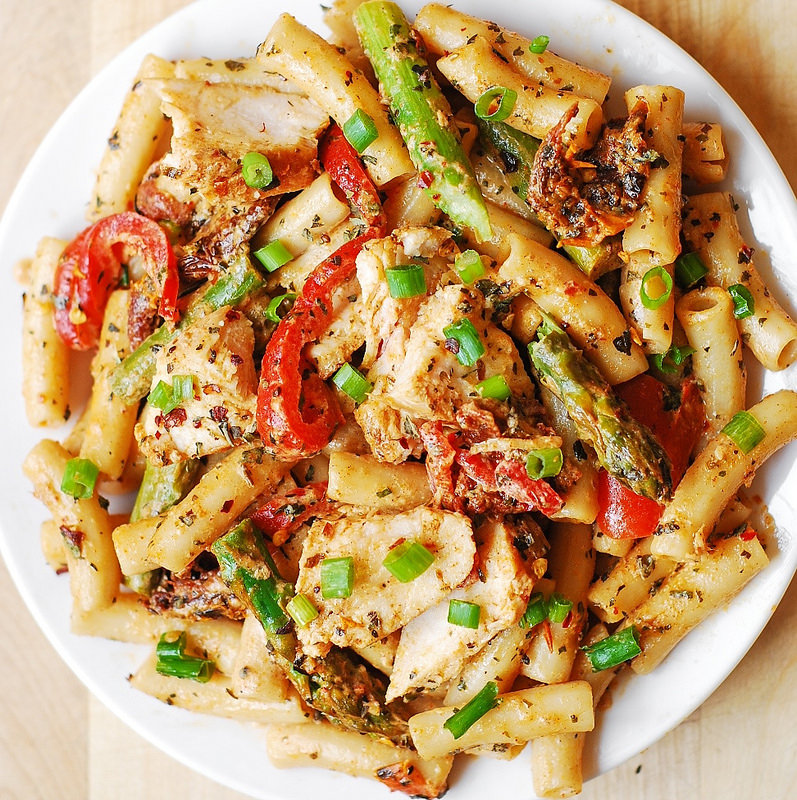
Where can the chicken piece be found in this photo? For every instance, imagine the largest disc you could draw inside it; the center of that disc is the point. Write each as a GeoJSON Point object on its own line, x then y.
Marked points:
{"type": "Point", "coordinates": [431, 650]}
{"type": "Point", "coordinates": [388, 320]}
{"type": "Point", "coordinates": [421, 380]}
{"type": "Point", "coordinates": [215, 125]}
{"type": "Point", "coordinates": [584, 197]}
{"type": "Point", "coordinates": [217, 352]}
{"type": "Point", "coordinates": [380, 603]}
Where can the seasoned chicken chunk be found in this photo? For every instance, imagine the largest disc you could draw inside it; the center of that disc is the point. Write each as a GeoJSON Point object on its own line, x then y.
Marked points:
{"type": "Point", "coordinates": [217, 352]}
{"type": "Point", "coordinates": [380, 604]}
{"type": "Point", "coordinates": [215, 125]}
{"type": "Point", "coordinates": [426, 382]}
{"type": "Point", "coordinates": [431, 650]}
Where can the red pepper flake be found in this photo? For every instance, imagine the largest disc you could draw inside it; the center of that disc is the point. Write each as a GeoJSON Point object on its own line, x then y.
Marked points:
{"type": "Point", "coordinates": [175, 418]}
{"type": "Point", "coordinates": [211, 388]}
{"type": "Point", "coordinates": [236, 360]}
{"type": "Point", "coordinates": [232, 315]}
{"type": "Point", "coordinates": [218, 413]}
{"type": "Point", "coordinates": [748, 534]}
{"type": "Point", "coordinates": [74, 540]}
{"type": "Point", "coordinates": [566, 622]}
{"type": "Point", "coordinates": [425, 179]}
{"type": "Point", "coordinates": [548, 634]}
{"type": "Point", "coordinates": [225, 509]}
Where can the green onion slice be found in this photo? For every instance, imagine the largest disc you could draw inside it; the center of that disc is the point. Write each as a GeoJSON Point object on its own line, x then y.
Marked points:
{"type": "Point", "coordinates": [544, 463]}
{"type": "Point", "coordinates": [494, 388]}
{"type": "Point", "coordinates": [689, 270]}
{"type": "Point", "coordinates": [548, 325]}
{"type": "Point", "coordinates": [536, 611]}
{"type": "Point", "coordinates": [352, 382]}
{"type": "Point", "coordinates": [80, 477]}
{"type": "Point", "coordinates": [162, 397]}
{"type": "Point", "coordinates": [463, 340]}
{"type": "Point", "coordinates": [654, 274]}
{"type": "Point", "coordinates": [337, 577]}
{"type": "Point", "coordinates": [301, 609]}
{"type": "Point", "coordinates": [406, 280]}
{"type": "Point", "coordinates": [670, 361]}
{"type": "Point", "coordinates": [745, 431]}
{"type": "Point", "coordinates": [539, 44]}
{"type": "Point", "coordinates": [273, 255]}
{"type": "Point", "coordinates": [459, 723]}
{"type": "Point", "coordinates": [360, 130]}
{"type": "Point", "coordinates": [276, 303]}
{"type": "Point", "coordinates": [469, 266]}
{"type": "Point", "coordinates": [464, 614]}
{"type": "Point", "coordinates": [408, 561]}
{"type": "Point", "coordinates": [172, 661]}
{"type": "Point", "coordinates": [182, 389]}
{"type": "Point", "coordinates": [614, 649]}
{"type": "Point", "coordinates": [496, 104]}
{"type": "Point", "coordinates": [558, 607]}
{"type": "Point", "coordinates": [743, 303]}
{"type": "Point", "coordinates": [256, 170]}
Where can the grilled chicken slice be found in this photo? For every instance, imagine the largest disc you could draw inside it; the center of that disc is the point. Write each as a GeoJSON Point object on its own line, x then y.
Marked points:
{"type": "Point", "coordinates": [380, 604]}
{"type": "Point", "coordinates": [431, 650]}
{"type": "Point", "coordinates": [217, 352]}
{"type": "Point", "coordinates": [215, 125]}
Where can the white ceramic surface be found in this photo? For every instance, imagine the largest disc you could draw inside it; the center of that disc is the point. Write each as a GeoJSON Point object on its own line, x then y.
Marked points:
{"type": "Point", "coordinates": [50, 200]}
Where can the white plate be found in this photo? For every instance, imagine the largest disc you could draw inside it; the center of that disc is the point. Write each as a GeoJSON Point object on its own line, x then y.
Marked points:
{"type": "Point", "coordinates": [594, 32]}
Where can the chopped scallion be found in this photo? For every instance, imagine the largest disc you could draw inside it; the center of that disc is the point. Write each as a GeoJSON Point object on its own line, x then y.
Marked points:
{"type": "Point", "coordinates": [406, 280]}
{"type": "Point", "coordinates": [459, 722]}
{"type": "Point", "coordinates": [162, 397]}
{"type": "Point", "coordinates": [658, 281]}
{"type": "Point", "coordinates": [352, 382]}
{"type": "Point", "coordinates": [463, 340]}
{"type": "Point", "coordinates": [744, 430]}
{"type": "Point", "coordinates": [337, 577]}
{"type": "Point", "coordinates": [360, 130]}
{"type": "Point", "coordinates": [558, 607]}
{"type": "Point", "coordinates": [496, 104]}
{"type": "Point", "coordinates": [539, 44]}
{"type": "Point", "coordinates": [182, 389]}
{"type": "Point", "coordinates": [408, 561]}
{"type": "Point", "coordinates": [469, 266]}
{"type": "Point", "coordinates": [613, 650]}
{"type": "Point", "coordinates": [743, 302]}
{"type": "Point", "coordinates": [256, 170]}
{"type": "Point", "coordinates": [464, 614]}
{"type": "Point", "coordinates": [548, 325]}
{"type": "Point", "coordinates": [536, 611]}
{"type": "Point", "coordinates": [80, 477]}
{"type": "Point", "coordinates": [171, 660]}
{"type": "Point", "coordinates": [544, 463]}
{"type": "Point", "coordinates": [301, 609]}
{"type": "Point", "coordinates": [276, 303]}
{"type": "Point", "coordinates": [670, 361]}
{"type": "Point", "coordinates": [273, 255]}
{"type": "Point", "coordinates": [494, 388]}
{"type": "Point", "coordinates": [689, 270]}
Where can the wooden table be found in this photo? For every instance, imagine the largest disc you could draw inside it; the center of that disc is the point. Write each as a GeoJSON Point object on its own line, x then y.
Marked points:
{"type": "Point", "coordinates": [58, 742]}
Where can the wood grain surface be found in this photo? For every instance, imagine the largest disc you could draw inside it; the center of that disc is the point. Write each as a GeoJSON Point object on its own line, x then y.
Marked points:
{"type": "Point", "coordinates": [58, 742]}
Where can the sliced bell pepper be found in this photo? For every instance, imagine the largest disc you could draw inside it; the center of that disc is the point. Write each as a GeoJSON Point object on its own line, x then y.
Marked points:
{"type": "Point", "coordinates": [345, 168]}
{"type": "Point", "coordinates": [90, 268]}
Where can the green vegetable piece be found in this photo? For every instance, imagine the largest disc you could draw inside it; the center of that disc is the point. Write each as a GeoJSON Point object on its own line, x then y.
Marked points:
{"type": "Point", "coordinates": [539, 44]}
{"type": "Point", "coordinates": [301, 610]}
{"type": "Point", "coordinates": [360, 130]}
{"type": "Point", "coordinates": [494, 388]}
{"type": "Point", "coordinates": [660, 295]}
{"type": "Point", "coordinates": [80, 477]}
{"type": "Point", "coordinates": [463, 340]}
{"type": "Point", "coordinates": [689, 270]}
{"type": "Point", "coordinates": [352, 382]}
{"type": "Point", "coordinates": [273, 309]}
{"type": "Point", "coordinates": [496, 104]}
{"type": "Point", "coordinates": [544, 463]}
{"type": "Point", "coordinates": [745, 431]}
{"type": "Point", "coordinates": [613, 650]}
{"type": "Point", "coordinates": [256, 170]}
{"type": "Point", "coordinates": [624, 447]}
{"type": "Point", "coordinates": [337, 577]}
{"type": "Point", "coordinates": [558, 607]}
{"type": "Point", "coordinates": [408, 561]}
{"type": "Point", "coordinates": [743, 302]}
{"type": "Point", "coordinates": [422, 115]}
{"type": "Point", "coordinates": [273, 255]}
{"type": "Point", "coordinates": [406, 280]}
{"type": "Point", "coordinates": [171, 659]}
{"type": "Point", "coordinates": [464, 614]}
{"type": "Point", "coordinates": [536, 611]}
{"type": "Point", "coordinates": [461, 721]}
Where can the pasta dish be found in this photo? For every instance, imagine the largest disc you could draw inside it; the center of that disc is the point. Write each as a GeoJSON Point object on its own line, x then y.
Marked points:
{"type": "Point", "coordinates": [427, 378]}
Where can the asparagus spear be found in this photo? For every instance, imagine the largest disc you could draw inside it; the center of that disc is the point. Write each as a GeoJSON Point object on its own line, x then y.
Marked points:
{"type": "Point", "coordinates": [131, 379]}
{"type": "Point", "coordinates": [348, 693]}
{"type": "Point", "coordinates": [422, 114]}
{"type": "Point", "coordinates": [625, 448]}
{"type": "Point", "coordinates": [161, 488]}
{"type": "Point", "coordinates": [516, 150]}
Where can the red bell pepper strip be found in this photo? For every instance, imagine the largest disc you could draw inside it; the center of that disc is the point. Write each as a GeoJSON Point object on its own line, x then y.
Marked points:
{"type": "Point", "coordinates": [345, 168]}
{"type": "Point", "coordinates": [623, 514]}
{"type": "Point", "coordinates": [282, 515]}
{"type": "Point", "coordinates": [90, 268]}
{"type": "Point", "coordinates": [297, 413]}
